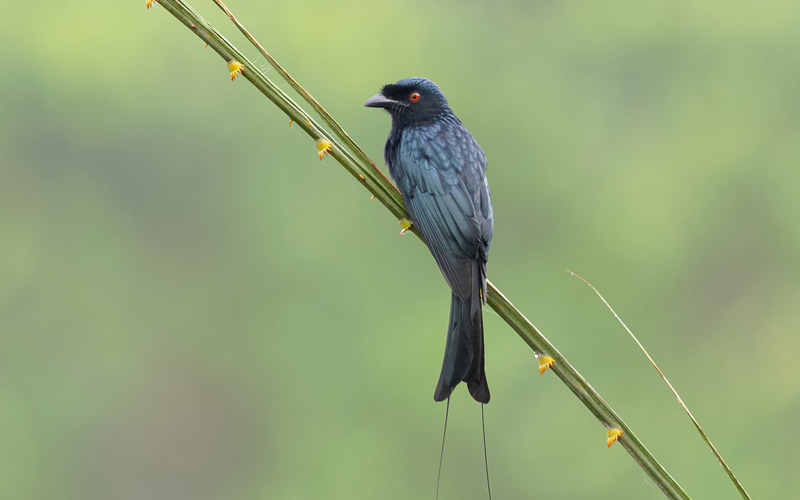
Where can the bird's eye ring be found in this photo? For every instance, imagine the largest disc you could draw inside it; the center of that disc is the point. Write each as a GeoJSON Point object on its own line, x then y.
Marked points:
{"type": "Point", "coordinates": [414, 97]}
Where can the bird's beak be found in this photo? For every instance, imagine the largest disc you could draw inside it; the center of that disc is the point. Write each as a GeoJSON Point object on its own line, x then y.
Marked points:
{"type": "Point", "coordinates": [380, 101]}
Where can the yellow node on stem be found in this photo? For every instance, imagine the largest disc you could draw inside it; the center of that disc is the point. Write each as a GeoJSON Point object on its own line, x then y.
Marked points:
{"type": "Point", "coordinates": [545, 362]}
{"type": "Point", "coordinates": [323, 147]}
{"type": "Point", "coordinates": [235, 67]}
{"type": "Point", "coordinates": [612, 435]}
{"type": "Point", "coordinates": [406, 225]}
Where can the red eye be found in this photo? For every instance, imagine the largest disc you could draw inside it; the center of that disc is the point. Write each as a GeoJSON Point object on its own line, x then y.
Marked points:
{"type": "Point", "coordinates": [414, 97]}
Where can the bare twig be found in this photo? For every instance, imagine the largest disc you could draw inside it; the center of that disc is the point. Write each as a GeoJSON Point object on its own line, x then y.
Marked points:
{"type": "Point", "coordinates": [671, 388]}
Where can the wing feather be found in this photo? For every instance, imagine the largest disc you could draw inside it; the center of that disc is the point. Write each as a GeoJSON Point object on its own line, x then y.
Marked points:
{"type": "Point", "coordinates": [445, 191]}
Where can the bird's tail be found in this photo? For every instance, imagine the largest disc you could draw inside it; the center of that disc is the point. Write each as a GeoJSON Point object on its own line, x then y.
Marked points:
{"type": "Point", "coordinates": [463, 353]}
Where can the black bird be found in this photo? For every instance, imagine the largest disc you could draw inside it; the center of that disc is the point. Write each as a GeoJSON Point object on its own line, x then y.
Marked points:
{"type": "Point", "coordinates": [439, 168]}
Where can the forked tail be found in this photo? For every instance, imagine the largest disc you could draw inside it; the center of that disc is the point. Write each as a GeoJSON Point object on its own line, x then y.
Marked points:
{"type": "Point", "coordinates": [463, 353]}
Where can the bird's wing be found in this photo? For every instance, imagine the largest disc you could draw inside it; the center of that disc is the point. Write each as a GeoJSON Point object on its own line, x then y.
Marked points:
{"type": "Point", "coordinates": [447, 197]}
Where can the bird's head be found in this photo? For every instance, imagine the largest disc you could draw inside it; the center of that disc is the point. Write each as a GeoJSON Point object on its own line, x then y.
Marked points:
{"type": "Point", "coordinates": [410, 100]}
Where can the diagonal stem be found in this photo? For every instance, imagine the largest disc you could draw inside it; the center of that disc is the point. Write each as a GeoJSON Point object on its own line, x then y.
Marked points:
{"type": "Point", "coordinates": [326, 117]}
{"type": "Point", "coordinates": [703, 435]}
{"type": "Point", "coordinates": [352, 158]}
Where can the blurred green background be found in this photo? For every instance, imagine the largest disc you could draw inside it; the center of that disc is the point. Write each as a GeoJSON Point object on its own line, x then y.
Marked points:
{"type": "Point", "coordinates": [192, 305]}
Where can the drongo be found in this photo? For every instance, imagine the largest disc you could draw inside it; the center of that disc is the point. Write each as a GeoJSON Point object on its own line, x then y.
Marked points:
{"type": "Point", "coordinates": [440, 171]}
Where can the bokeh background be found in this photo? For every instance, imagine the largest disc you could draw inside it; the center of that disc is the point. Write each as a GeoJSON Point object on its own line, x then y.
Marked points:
{"type": "Point", "coordinates": [192, 305]}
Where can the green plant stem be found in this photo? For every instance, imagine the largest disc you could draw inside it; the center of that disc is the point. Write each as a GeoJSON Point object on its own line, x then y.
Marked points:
{"type": "Point", "coordinates": [696, 424]}
{"type": "Point", "coordinates": [372, 178]}
{"type": "Point", "coordinates": [585, 392]}
{"type": "Point", "coordinates": [346, 152]}
{"type": "Point", "coordinates": [326, 117]}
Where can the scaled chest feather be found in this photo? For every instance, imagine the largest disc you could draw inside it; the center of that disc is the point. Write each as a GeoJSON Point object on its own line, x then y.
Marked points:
{"type": "Point", "coordinates": [434, 157]}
